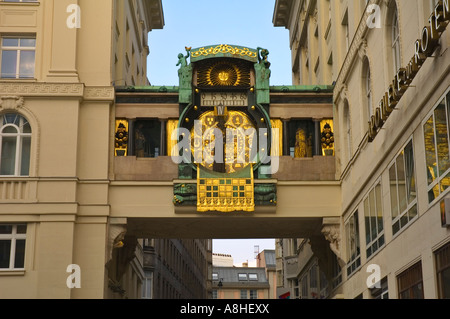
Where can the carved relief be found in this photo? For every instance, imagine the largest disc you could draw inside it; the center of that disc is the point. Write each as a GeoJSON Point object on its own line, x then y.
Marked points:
{"type": "Point", "coordinates": [332, 234]}
{"type": "Point", "coordinates": [11, 102]}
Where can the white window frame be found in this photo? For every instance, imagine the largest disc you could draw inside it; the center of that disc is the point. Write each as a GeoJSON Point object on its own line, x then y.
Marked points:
{"type": "Point", "coordinates": [353, 262]}
{"type": "Point", "coordinates": [19, 142]}
{"type": "Point", "coordinates": [147, 285]}
{"type": "Point", "coordinates": [18, 49]}
{"type": "Point", "coordinates": [14, 236]}
{"type": "Point", "coordinates": [253, 277]}
{"type": "Point", "coordinates": [379, 233]}
{"type": "Point", "coordinates": [396, 51]}
{"type": "Point", "coordinates": [241, 277]}
{"type": "Point", "coordinates": [414, 202]}
{"type": "Point", "coordinates": [438, 180]}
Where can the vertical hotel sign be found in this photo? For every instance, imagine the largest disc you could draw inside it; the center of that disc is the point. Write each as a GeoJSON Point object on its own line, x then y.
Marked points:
{"type": "Point", "coordinates": [423, 48]}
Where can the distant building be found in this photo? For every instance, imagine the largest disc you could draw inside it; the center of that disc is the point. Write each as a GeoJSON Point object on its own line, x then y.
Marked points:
{"type": "Point", "coordinates": [239, 283]}
{"type": "Point", "coordinates": [266, 259]}
{"type": "Point", "coordinates": [176, 268]}
{"type": "Point", "coordinates": [222, 260]}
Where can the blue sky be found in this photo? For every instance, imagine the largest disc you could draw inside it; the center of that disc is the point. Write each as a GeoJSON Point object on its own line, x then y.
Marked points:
{"type": "Point", "coordinates": [198, 23]}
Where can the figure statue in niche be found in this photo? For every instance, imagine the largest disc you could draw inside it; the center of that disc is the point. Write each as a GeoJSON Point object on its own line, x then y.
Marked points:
{"type": "Point", "coordinates": [300, 144]}
{"type": "Point", "coordinates": [139, 140]}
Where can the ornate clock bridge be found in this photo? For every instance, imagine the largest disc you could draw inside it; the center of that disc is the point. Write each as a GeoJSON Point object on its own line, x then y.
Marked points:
{"type": "Point", "coordinates": [224, 154]}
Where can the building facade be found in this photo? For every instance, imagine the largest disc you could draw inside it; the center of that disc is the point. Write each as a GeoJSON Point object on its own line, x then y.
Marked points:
{"type": "Point", "coordinates": [240, 283]}
{"type": "Point", "coordinates": [177, 269]}
{"type": "Point", "coordinates": [59, 62]}
{"type": "Point", "coordinates": [266, 259]}
{"type": "Point", "coordinates": [389, 63]}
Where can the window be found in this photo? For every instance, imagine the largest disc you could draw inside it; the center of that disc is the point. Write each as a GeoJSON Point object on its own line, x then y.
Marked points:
{"type": "Point", "coordinates": [380, 291]}
{"type": "Point", "coordinates": [242, 277]}
{"type": "Point", "coordinates": [436, 130]}
{"type": "Point", "coordinates": [410, 283]}
{"type": "Point", "coordinates": [368, 91]}
{"type": "Point", "coordinates": [367, 87]}
{"type": "Point", "coordinates": [443, 271]}
{"type": "Point", "coordinates": [253, 294]}
{"type": "Point", "coordinates": [147, 138]}
{"type": "Point", "coordinates": [396, 41]}
{"type": "Point", "coordinates": [301, 138]}
{"type": "Point", "coordinates": [147, 285]}
{"type": "Point", "coordinates": [215, 276]}
{"type": "Point", "coordinates": [336, 273]}
{"type": "Point", "coordinates": [373, 217]}
{"type": "Point", "coordinates": [403, 189]}
{"type": "Point", "coordinates": [18, 57]}
{"type": "Point", "coordinates": [353, 246]}
{"type": "Point", "coordinates": [305, 287]}
{"type": "Point", "coordinates": [215, 294]}
{"type": "Point", "coordinates": [12, 246]}
{"type": "Point", "coordinates": [15, 145]}
{"type": "Point", "coordinates": [253, 277]}
{"type": "Point", "coordinates": [244, 294]}
{"type": "Point", "coordinates": [347, 130]}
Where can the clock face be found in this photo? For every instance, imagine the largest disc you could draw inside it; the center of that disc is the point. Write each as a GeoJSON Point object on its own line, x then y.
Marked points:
{"type": "Point", "coordinates": [238, 136]}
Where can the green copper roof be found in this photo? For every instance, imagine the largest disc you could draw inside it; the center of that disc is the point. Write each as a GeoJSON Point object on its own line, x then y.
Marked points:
{"type": "Point", "coordinates": [273, 89]}
{"type": "Point", "coordinates": [148, 89]}
{"type": "Point", "coordinates": [301, 88]}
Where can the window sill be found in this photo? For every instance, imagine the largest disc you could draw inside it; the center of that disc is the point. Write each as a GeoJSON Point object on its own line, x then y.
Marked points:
{"type": "Point", "coordinates": [27, 80]}
{"type": "Point", "coordinates": [12, 272]}
{"type": "Point", "coordinates": [35, 3]}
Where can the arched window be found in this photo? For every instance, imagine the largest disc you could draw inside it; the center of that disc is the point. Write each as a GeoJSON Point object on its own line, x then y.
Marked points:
{"type": "Point", "coordinates": [347, 130]}
{"type": "Point", "coordinates": [369, 92]}
{"type": "Point", "coordinates": [395, 41]}
{"type": "Point", "coordinates": [15, 145]}
{"type": "Point", "coordinates": [367, 88]}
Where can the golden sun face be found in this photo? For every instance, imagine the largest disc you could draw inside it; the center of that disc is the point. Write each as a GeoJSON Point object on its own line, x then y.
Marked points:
{"type": "Point", "coordinates": [224, 76]}
{"type": "Point", "coordinates": [223, 73]}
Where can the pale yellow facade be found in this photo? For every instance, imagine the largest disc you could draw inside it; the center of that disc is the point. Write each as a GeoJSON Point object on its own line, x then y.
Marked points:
{"type": "Point", "coordinates": [80, 53]}
{"type": "Point", "coordinates": [86, 210]}
{"type": "Point", "coordinates": [360, 46]}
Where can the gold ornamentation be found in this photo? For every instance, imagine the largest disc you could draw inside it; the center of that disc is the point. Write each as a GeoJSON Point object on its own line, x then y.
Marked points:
{"type": "Point", "coordinates": [327, 137]}
{"type": "Point", "coordinates": [224, 48]}
{"type": "Point", "coordinates": [171, 126]}
{"type": "Point", "coordinates": [277, 140]}
{"type": "Point", "coordinates": [121, 138]}
{"type": "Point", "coordinates": [223, 73]}
{"type": "Point", "coordinates": [225, 194]}
{"type": "Point", "coordinates": [236, 158]}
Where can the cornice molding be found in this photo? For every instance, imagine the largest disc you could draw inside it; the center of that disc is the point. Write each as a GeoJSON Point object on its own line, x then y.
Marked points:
{"type": "Point", "coordinates": [68, 90]}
